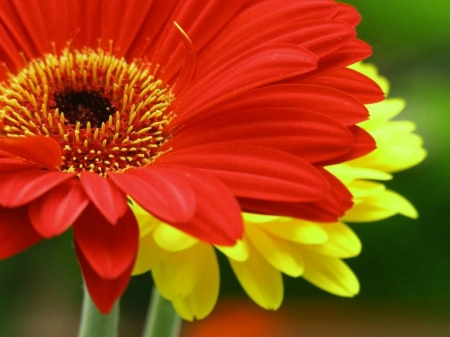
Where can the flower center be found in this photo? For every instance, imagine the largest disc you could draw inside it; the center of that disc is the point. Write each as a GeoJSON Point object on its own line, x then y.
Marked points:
{"type": "Point", "coordinates": [84, 106]}
{"type": "Point", "coordinates": [106, 114]}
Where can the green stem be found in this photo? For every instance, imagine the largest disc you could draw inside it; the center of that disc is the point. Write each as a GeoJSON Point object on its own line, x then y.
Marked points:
{"type": "Point", "coordinates": [162, 320]}
{"type": "Point", "coordinates": [96, 324]}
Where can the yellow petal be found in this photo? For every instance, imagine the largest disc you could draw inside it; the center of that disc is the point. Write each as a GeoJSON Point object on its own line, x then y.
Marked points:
{"type": "Point", "coordinates": [362, 189]}
{"type": "Point", "coordinates": [343, 172]}
{"type": "Point", "coordinates": [342, 242]}
{"type": "Point", "coordinates": [330, 274]}
{"type": "Point", "coordinates": [372, 174]}
{"type": "Point", "coordinates": [388, 132]}
{"type": "Point", "coordinates": [258, 218]}
{"type": "Point", "coordinates": [295, 230]}
{"type": "Point", "coordinates": [238, 252]}
{"type": "Point", "coordinates": [260, 280]}
{"type": "Point", "coordinates": [383, 111]}
{"type": "Point", "coordinates": [149, 255]}
{"type": "Point", "coordinates": [172, 239]}
{"type": "Point", "coordinates": [146, 221]}
{"type": "Point", "coordinates": [201, 301]}
{"type": "Point", "coordinates": [397, 148]}
{"type": "Point", "coordinates": [178, 274]}
{"type": "Point", "coordinates": [347, 173]}
{"type": "Point", "coordinates": [280, 253]}
{"type": "Point", "coordinates": [380, 206]}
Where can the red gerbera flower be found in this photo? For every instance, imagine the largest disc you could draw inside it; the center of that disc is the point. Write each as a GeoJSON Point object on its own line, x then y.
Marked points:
{"type": "Point", "coordinates": [237, 106]}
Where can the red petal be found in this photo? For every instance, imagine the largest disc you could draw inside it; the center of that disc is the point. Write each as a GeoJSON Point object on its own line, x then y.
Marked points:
{"type": "Point", "coordinates": [351, 82]}
{"type": "Point", "coordinates": [150, 28]}
{"type": "Point", "coordinates": [55, 23]}
{"type": "Point", "coordinates": [323, 37]}
{"type": "Point", "coordinates": [31, 23]}
{"type": "Point", "coordinates": [193, 16]}
{"type": "Point", "coordinates": [304, 98]}
{"type": "Point", "coordinates": [190, 62]}
{"type": "Point", "coordinates": [258, 125]}
{"type": "Point", "coordinates": [254, 172]}
{"type": "Point", "coordinates": [41, 150]}
{"type": "Point", "coordinates": [329, 209]}
{"type": "Point", "coordinates": [88, 32]}
{"type": "Point", "coordinates": [311, 136]}
{"type": "Point", "coordinates": [8, 52]}
{"type": "Point", "coordinates": [260, 23]}
{"type": "Point", "coordinates": [333, 206]}
{"type": "Point", "coordinates": [364, 144]}
{"type": "Point", "coordinates": [217, 219]}
{"type": "Point", "coordinates": [16, 29]}
{"type": "Point", "coordinates": [110, 250]}
{"type": "Point", "coordinates": [348, 14]}
{"type": "Point", "coordinates": [16, 232]}
{"type": "Point", "coordinates": [351, 53]}
{"type": "Point", "coordinates": [257, 67]}
{"type": "Point", "coordinates": [122, 22]}
{"type": "Point", "coordinates": [20, 187]}
{"type": "Point", "coordinates": [319, 36]}
{"type": "Point", "coordinates": [111, 201]}
{"type": "Point", "coordinates": [167, 196]}
{"type": "Point", "coordinates": [14, 164]}
{"type": "Point", "coordinates": [58, 209]}
{"type": "Point", "coordinates": [104, 292]}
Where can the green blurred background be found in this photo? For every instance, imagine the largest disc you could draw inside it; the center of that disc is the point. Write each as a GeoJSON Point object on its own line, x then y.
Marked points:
{"type": "Point", "coordinates": [404, 268]}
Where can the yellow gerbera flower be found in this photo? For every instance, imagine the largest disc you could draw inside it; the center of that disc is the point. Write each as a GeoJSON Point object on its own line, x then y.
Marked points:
{"type": "Point", "coordinates": [186, 271]}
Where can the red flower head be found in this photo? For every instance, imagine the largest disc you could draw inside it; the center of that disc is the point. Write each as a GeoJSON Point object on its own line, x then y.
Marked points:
{"type": "Point", "coordinates": [236, 106]}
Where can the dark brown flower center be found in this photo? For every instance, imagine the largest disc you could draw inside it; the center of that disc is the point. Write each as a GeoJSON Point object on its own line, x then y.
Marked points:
{"type": "Point", "coordinates": [84, 106]}
{"type": "Point", "coordinates": [106, 114]}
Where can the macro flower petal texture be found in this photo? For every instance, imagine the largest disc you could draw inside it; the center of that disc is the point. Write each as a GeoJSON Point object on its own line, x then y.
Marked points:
{"type": "Point", "coordinates": [276, 245]}
{"type": "Point", "coordinates": [193, 110]}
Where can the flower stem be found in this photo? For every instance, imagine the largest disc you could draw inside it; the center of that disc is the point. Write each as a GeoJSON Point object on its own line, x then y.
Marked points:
{"type": "Point", "coordinates": [96, 324]}
{"type": "Point", "coordinates": [162, 320]}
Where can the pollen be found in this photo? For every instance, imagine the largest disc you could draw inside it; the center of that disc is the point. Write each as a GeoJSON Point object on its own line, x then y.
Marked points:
{"type": "Point", "coordinates": [107, 114]}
